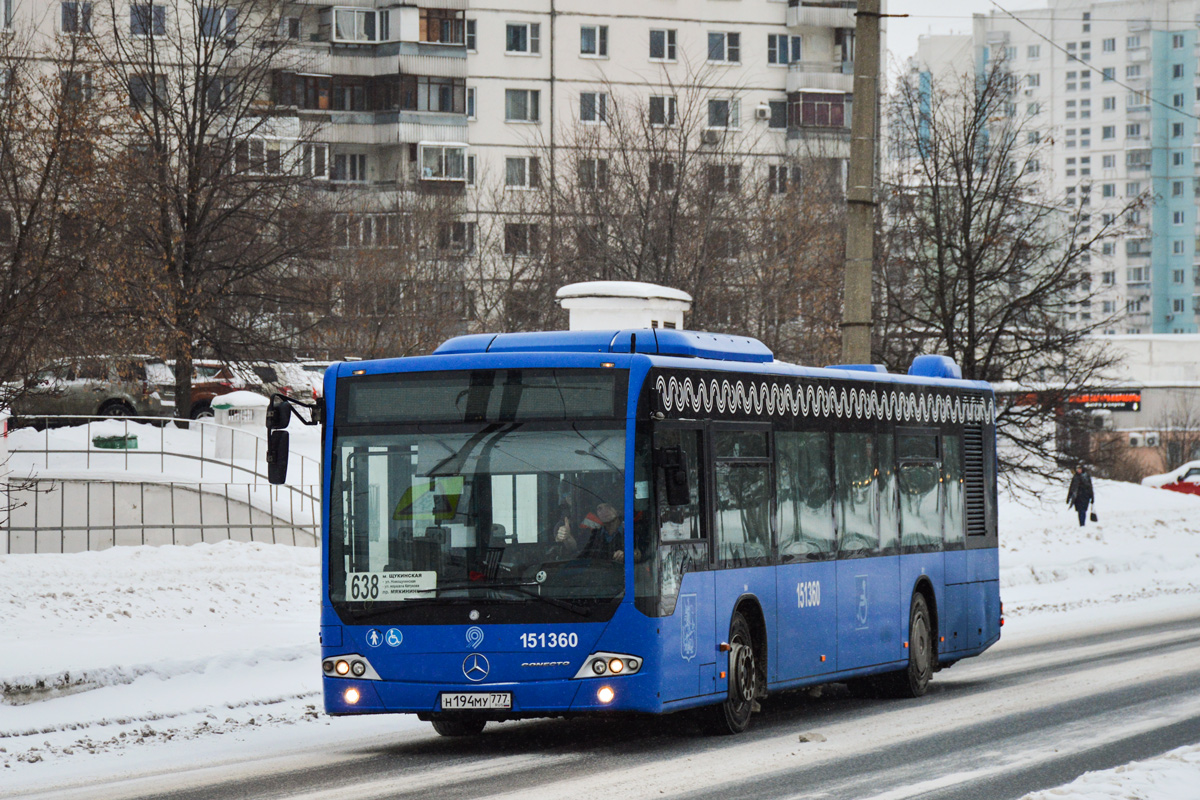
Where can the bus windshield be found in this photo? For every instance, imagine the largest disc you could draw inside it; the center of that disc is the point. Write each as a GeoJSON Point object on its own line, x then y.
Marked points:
{"type": "Point", "coordinates": [510, 513]}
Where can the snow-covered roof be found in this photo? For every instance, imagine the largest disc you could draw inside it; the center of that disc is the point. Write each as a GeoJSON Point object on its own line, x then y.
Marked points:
{"type": "Point", "coordinates": [622, 289]}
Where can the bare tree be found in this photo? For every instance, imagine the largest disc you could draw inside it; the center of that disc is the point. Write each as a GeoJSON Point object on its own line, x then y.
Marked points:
{"type": "Point", "coordinates": [217, 236]}
{"type": "Point", "coordinates": [981, 265]}
{"type": "Point", "coordinates": [1179, 431]}
{"type": "Point", "coordinates": [56, 201]}
{"type": "Point", "coordinates": [672, 188]}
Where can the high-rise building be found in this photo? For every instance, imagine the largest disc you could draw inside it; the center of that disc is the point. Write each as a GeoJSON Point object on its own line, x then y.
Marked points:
{"type": "Point", "coordinates": [1115, 88]}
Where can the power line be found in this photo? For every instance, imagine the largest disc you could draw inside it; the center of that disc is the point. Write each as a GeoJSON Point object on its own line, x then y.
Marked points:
{"type": "Point", "coordinates": [1085, 65]}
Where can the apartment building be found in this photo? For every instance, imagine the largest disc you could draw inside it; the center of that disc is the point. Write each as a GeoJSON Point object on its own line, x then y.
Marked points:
{"type": "Point", "coordinates": [1115, 86]}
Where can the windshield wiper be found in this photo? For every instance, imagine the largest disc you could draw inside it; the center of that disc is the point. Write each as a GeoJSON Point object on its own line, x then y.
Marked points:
{"type": "Point", "coordinates": [522, 588]}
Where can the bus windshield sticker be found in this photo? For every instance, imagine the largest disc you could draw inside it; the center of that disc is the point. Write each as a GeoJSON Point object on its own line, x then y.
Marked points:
{"type": "Point", "coordinates": [364, 586]}
{"type": "Point", "coordinates": [432, 501]}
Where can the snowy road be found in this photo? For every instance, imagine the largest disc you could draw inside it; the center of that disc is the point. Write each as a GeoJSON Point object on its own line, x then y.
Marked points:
{"type": "Point", "coordinates": [1034, 712]}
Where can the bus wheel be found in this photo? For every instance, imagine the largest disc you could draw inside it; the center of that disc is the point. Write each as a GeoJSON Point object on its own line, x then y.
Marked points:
{"type": "Point", "coordinates": [733, 714]}
{"type": "Point", "coordinates": [913, 681]}
{"type": "Point", "coordinates": [461, 726]}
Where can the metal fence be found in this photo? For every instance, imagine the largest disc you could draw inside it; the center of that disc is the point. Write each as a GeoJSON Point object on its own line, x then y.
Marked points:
{"type": "Point", "coordinates": [181, 485]}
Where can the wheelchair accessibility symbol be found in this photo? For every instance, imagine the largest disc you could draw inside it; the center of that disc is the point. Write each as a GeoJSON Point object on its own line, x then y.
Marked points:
{"type": "Point", "coordinates": [394, 637]}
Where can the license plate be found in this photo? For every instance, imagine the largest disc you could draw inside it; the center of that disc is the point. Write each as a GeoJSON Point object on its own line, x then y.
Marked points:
{"type": "Point", "coordinates": [466, 701]}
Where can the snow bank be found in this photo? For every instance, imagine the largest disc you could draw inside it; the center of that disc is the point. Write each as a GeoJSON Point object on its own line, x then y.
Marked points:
{"type": "Point", "coordinates": [1171, 776]}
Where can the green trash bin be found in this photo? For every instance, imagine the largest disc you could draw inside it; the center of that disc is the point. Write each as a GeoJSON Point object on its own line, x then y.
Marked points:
{"type": "Point", "coordinates": [126, 442]}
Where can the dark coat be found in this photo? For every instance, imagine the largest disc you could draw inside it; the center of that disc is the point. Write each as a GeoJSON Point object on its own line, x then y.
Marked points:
{"type": "Point", "coordinates": [1081, 493]}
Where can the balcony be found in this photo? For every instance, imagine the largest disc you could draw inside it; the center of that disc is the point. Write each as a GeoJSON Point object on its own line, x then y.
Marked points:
{"type": "Point", "coordinates": [828, 14]}
{"type": "Point", "coordinates": [835, 76]}
{"type": "Point", "coordinates": [1139, 55]}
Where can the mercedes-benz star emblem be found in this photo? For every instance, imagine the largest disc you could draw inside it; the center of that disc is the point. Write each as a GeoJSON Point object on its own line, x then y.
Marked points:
{"type": "Point", "coordinates": [476, 667]}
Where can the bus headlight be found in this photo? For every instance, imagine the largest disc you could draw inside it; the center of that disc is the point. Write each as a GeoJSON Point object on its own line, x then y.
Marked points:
{"type": "Point", "coordinates": [605, 694]}
{"type": "Point", "coordinates": [349, 665]}
{"type": "Point", "coordinates": [600, 664]}
{"type": "Point", "coordinates": [351, 696]}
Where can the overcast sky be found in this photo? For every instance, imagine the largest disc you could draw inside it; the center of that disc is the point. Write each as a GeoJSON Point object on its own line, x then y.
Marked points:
{"type": "Point", "coordinates": [937, 17]}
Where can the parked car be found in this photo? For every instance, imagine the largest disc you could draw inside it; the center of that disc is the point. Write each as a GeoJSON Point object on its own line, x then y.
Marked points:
{"type": "Point", "coordinates": [211, 379]}
{"type": "Point", "coordinates": [274, 377]}
{"type": "Point", "coordinates": [105, 386]}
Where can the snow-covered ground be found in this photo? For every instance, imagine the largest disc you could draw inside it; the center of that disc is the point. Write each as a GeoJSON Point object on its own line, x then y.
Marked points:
{"type": "Point", "coordinates": [133, 659]}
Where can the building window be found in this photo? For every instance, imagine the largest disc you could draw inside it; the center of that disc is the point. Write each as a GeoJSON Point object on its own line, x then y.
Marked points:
{"type": "Point", "coordinates": [441, 26]}
{"type": "Point", "coordinates": [593, 173]}
{"type": "Point", "coordinates": [1132, 41]}
{"type": "Point", "coordinates": [1110, 104]}
{"type": "Point", "coordinates": [521, 105]}
{"type": "Point", "coordinates": [1177, 305]}
{"type": "Point", "coordinates": [218, 23]}
{"type": "Point", "coordinates": [1133, 189]}
{"type": "Point", "coordinates": [1034, 109]}
{"type": "Point", "coordinates": [662, 45]}
{"type": "Point", "coordinates": [723, 177]}
{"type": "Point", "coordinates": [424, 93]}
{"type": "Point", "coordinates": [522, 172]}
{"type": "Point", "coordinates": [1177, 249]}
{"type": "Point", "coordinates": [1176, 188]}
{"type": "Point", "coordinates": [76, 17]}
{"type": "Point", "coordinates": [1177, 100]}
{"type": "Point", "coordinates": [778, 118]}
{"type": "Point", "coordinates": [1033, 79]}
{"type": "Point", "coordinates": [146, 88]}
{"type": "Point", "coordinates": [316, 161]}
{"type": "Point", "coordinates": [593, 107]}
{"type": "Point", "coordinates": [1133, 71]}
{"type": "Point", "coordinates": [1108, 45]}
{"type": "Point", "coordinates": [520, 239]}
{"type": "Point", "coordinates": [1110, 74]}
{"type": "Point", "coordinates": [1133, 129]}
{"type": "Point", "coordinates": [147, 20]}
{"type": "Point", "coordinates": [523, 38]}
{"type": "Point", "coordinates": [470, 35]}
{"type": "Point", "coordinates": [1176, 159]}
{"type": "Point", "coordinates": [782, 49]}
{"type": "Point", "coordinates": [1177, 217]}
{"type": "Point", "coordinates": [724, 48]}
{"type": "Point", "coordinates": [593, 41]}
{"type": "Point", "coordinates": [1177, 70]}
{"type": "Point", "coordinates": [1176, 130]}
{"type": "Point", "coordinates": [443, 162]}
{"type": "Point", "coordinates": [349, 167]}
{"type": "Point", "coordinates": [257, 156]}
{"type": "Point", "coordinates": [724, 113]}
{"type": "Point", "coordinates": [663, 110]}
{"type": "Point", "coordinates": [1110, 162]}
{"type": "Point", "coordinates": [817, 109]}
{"type": "Point", "coordinates": [1033, 51]}
{"type": "Point", "coordinates": [289, 28]}
{"type": "Point", "coordinates": [471, 102]}
{"type": "Point", "coordinates": [1108, 190]}
{"type": "Point", "coordinates": [662, 176]}
{"type": "Point", "coordinates": [778, 177]}
{"type": "Point", "coordinates": [1177, 40]}
{"type": "Point", "coordinates": [356, 25]}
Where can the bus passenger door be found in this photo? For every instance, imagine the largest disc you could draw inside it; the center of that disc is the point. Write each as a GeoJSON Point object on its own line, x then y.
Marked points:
{"type": "Point", "coordinates": [868, 594]}
{"type": "Point", "coordinates": [676, 584]}
{"type": "Point", "coordinates": [806, 579]}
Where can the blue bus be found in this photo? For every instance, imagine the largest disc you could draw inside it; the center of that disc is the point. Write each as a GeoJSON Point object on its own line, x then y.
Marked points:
{"type": "Point", "coordinates": [648, 521]}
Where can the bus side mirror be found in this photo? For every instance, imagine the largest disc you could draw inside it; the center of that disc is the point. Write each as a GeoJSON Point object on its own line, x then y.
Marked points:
{"type": "Point", "coordinates": [277, 457]}
{"type": "Point", "coordinates": [279, 413]}
{"type": "Point", "coordinates": [675, 475]}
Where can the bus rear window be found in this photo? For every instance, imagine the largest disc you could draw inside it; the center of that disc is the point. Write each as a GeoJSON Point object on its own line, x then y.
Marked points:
{"type": "Point", "coordinates": [516, 395]}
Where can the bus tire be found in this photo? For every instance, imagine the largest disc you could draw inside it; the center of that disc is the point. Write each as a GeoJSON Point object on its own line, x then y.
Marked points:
{"type": "Point", "coordinates": [460, 726]}
{"type": "Point", "coordinates": [913, 680]}
{"type": "Point", "coordinates": [732, 715]}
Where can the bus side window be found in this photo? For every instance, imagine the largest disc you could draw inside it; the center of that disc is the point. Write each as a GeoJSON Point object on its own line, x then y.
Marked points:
{"type": "Point", "coordinates": [854, 458]}
{"type": "Point", "coordinates": [889, 515]}
{"type": "Point", "coordinates": [804, 490]}
{"type": "Point", "coordinates": [919, 482]}
{"type": "Point", "coordinates": [952, 471]}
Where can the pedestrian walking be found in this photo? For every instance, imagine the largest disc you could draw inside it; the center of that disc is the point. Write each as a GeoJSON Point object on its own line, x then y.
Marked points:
{"type": "Point", "coordinates": [1081, 494]}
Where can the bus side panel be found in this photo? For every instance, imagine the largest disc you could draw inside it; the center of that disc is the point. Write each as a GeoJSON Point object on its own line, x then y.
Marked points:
{"type": "Point", "coordinates": [806, 620]}
{"type": "Point", "coordinates": [983, 565]}
{"type": "Point", "coordinates": [957, 569]}
{"type": "Point", "coordinates": [687, 652]}
{"type": "Point", "coordinates": [952, 618]}
{"type": "Point", "coordinates": [730, 585]}
{"type": "Point", "coordinates": [983, 603]}
{"type": "Point", "coordinates": [868, 601]}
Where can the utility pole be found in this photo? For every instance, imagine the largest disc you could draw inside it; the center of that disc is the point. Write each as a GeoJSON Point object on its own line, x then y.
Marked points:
{"type": "Point", "coordinates": [860, 192]}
